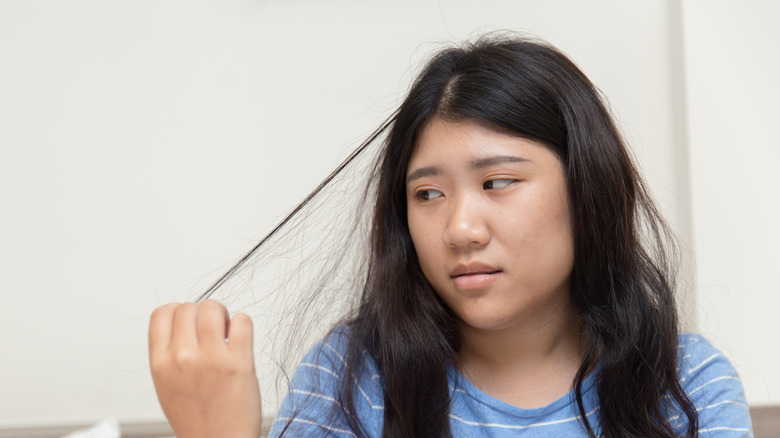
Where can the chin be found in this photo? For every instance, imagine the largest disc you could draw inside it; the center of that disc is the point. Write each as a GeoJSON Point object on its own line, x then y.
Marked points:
{"type": "Point", "coordinates": [486, 323]}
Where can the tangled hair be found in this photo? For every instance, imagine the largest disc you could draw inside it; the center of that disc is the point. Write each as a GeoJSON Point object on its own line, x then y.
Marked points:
{"type": "Point", "coordinates": [622, 284]}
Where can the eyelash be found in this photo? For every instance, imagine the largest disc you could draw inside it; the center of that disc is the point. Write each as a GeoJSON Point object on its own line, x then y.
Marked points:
{"type": "Point", "coordinates": [421, 195]}
{"type": "Point", "coordinates": [424, 195]}
{"type": "Point", "coordinates": [486, 184]}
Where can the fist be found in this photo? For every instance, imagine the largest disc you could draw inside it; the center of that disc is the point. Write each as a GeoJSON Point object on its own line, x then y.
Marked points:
{"type": "Point", "coordinates": [203, 370]}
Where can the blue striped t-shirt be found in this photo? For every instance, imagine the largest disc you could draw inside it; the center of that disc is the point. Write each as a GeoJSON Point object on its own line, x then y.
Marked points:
{"type": "Point", "coordinates": [311, 409]}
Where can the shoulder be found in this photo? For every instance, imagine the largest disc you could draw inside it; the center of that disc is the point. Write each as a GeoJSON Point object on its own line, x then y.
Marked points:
{"type": "Point", "coordinates": [314, 403]}
{"type": "Point", "coordinates": [328, 353]}
{"type": "Point", "coordinates": [714, 387]}
{"type": "Point", "coordinates": [328, 358]}
{"type": "Point", "coordinates": [703, 369]}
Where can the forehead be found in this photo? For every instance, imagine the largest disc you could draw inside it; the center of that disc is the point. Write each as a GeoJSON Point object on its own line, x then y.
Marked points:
{"type": "Point", "coordinates": [442, 142]}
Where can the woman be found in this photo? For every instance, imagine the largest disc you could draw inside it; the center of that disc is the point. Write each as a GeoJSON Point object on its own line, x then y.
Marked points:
{"type": "Point", "coordinates": [520, 281]}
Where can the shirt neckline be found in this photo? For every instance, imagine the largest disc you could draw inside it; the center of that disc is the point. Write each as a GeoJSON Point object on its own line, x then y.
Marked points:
{"type": "Point", "coordinates": [459, 385]}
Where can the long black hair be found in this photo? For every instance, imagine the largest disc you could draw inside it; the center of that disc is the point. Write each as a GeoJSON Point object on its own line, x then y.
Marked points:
{"type": "Point", "coordinates": [622, 284]}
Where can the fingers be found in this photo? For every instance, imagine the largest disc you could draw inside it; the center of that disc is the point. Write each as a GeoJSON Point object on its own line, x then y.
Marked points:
{"type": "Point", "coordinates": [208, 323]}
{"type": "Point", "coordinates": [181, 333]}
{"type": "Point", "coordinates": [160, 328]}
{"type": "Point", "coordinates": [241, 334]}
{"type": "Point", "coordinates": [212, 323]}
{"type": "Point", "coordinates": [184, 334]}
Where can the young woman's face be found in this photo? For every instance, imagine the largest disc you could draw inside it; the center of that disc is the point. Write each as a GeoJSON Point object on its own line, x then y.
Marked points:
{"type": "Point", "coordinates": [488, 214]}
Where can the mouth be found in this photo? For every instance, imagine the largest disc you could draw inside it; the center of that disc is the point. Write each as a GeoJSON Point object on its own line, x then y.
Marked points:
{"type": "Point", "coordinates": [468, 274]}
{"type": "Point", "coordinates": [473, 268]}
{"type": "Point", "coordinates": [474, 276]}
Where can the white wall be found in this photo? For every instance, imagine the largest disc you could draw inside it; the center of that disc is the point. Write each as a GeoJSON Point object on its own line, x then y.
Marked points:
{"type": "Point", "coordinates": [732, 76]}
{"type": "Point", "coordinates": [145, 145]}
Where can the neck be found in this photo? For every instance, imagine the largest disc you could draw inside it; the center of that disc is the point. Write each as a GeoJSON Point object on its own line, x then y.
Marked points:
{"type": "Point", "coordinates": [545, 349]}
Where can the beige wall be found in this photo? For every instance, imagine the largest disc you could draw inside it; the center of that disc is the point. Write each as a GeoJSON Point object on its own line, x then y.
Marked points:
{"type": "Point", "coordinates": [145, 145]}
{"type": "Point", "coordinates": [732, 66]}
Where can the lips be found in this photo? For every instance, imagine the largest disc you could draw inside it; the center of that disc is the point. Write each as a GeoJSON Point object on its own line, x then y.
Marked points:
{"type": "Point", "coordinates": [472, 269]}
{"type": "Point", "coordinates": [474, 275]}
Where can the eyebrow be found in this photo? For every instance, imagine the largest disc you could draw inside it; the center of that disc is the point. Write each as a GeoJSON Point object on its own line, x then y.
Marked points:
{"type": "Point", "coordinates": [498, 159]}
{"type": "Point", "coordinates": [481, 163]}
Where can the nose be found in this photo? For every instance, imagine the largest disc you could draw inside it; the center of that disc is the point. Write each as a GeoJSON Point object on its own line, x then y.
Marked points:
{"type": "Point", "coordinates": [466, 227]}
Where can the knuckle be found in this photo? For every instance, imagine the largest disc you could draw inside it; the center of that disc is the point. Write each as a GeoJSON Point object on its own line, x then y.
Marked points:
{"type": "Point", "coordinates": [212, 305]}
{"type": "Point", "coordinates": [213, 309]}
{"type": "Point", "coordinates": [163, 311]}
{"type": "Point", "coordinates": [186, 307]}
{"type": "Point", "coordinates": [238, 367]}
{"type": "Point", "coordinates": [186, 358]}
{"type": "Point", "coordinates": [242, 319]}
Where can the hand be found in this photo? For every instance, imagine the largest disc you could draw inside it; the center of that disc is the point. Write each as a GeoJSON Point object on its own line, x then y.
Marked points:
{"type": "Point", "coordinates": [203, 370]}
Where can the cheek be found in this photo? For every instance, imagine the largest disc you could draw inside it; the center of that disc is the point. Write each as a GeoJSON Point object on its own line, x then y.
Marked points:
{"type": "Point", "coordinates": [421, 239]}
{"type": "Point", "coordinates": [542, 235]}
{"type": "Point", "coordinates": [424, 242]}
{"type": "Point", "coordinates": [417, 234]}
{"type": "Point", "coordinates": [561, 242]}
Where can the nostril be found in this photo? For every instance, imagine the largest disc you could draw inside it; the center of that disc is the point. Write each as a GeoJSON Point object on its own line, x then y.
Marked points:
{"type": "Point", "coordinates": [466, 234]}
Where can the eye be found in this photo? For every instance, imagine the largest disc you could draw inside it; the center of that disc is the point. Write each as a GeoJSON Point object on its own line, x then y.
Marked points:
{"type": "Point", "coordinates": [427, 195]}
{"type": "Point", "coordinates": [497, 183]}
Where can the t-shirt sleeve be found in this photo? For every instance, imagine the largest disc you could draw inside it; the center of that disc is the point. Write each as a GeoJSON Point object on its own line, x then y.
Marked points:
{"type": "Point", "coordinates": [715, 388]}
{"type": "Point", "coordinates": [312, 407]}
